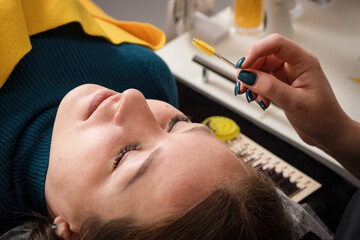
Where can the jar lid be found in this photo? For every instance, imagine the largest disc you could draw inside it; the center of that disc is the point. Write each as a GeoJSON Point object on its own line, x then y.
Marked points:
{"type": "Point", "coordinates": [224, 128]}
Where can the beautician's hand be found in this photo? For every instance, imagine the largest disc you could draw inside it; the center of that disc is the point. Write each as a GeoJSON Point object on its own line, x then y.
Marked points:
{"type": "Point", "coordinates": [276, 68]}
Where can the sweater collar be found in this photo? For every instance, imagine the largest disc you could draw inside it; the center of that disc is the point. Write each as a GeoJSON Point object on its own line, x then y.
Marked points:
{"type": "Point", "coordinates": [30, 164]}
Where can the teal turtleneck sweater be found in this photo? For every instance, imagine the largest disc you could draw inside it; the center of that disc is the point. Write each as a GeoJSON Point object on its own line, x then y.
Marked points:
{"type": "Point", "coordinates": [61, 59]}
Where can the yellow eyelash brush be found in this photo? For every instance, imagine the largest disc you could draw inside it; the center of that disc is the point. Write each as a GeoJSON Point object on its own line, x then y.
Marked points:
{"type": "Point", "coordinates": [209, 50]}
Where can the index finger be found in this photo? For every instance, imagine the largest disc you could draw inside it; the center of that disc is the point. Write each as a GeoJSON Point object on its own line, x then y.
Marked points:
{"type": "Point", "coordinates": [276, 45]}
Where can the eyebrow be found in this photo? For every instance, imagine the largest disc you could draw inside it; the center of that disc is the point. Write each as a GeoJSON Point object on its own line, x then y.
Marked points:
{"type": "Point", "coordinates": [146, 164]}
{"type": "Point", "coordinates": [143, 168]}
{"type": "Point", "coordinates": [199, 128]}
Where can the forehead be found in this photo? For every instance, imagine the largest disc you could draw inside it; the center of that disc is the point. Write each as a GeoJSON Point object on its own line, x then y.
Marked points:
{"type": "Point", "coordinates": [190, 167]}
{"type": "Point", "coordinates": [198, 156]}
{"type": "Point", "coordinates": [186, 169]}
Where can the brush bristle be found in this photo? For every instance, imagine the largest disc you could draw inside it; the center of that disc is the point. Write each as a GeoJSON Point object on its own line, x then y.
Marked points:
{"type": "Point", "coordinates": [206, 48]}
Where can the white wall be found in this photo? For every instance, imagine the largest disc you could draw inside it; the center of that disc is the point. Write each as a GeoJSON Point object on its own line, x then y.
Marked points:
{"type": "Point", "coordinates": [150, 11]}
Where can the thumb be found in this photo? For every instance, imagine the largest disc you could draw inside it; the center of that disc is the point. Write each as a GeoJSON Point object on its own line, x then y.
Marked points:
{"type": "Point", "coordinates": [267, 85]}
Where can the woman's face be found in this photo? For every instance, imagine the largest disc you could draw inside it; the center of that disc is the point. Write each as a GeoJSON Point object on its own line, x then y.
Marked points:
{"type": "Point", "coordinates": [118, 155]}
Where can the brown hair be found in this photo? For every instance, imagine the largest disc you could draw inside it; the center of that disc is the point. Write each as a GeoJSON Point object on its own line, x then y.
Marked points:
{"type": "Point", "coordinates": [247, 209]}
{"type": "Point", "coordinates": [41, 228]}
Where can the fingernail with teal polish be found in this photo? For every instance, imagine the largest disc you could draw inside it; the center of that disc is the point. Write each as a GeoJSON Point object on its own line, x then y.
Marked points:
{"type": "Point", "coordinates": [240, 62]}
{"type": "Point", "coordinates": [249, 96]}
{"type": "Point", "coordinates": [262, 104]}
{"type": "Point", "coordinates": [247, 77]}
{"type": "Point", "coordinates": [237, 88]}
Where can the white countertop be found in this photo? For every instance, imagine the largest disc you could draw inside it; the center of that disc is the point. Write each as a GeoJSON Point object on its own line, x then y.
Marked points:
{"type": "Point", "coordinates": [332, 33]}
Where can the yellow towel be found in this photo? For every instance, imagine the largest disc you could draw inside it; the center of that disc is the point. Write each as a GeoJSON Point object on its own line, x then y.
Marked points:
{"type": "Point", "coordinates": [20, 19]}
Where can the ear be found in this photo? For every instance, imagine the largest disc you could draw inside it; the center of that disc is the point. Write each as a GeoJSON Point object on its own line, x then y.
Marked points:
{"type": "Point", "coordinates": [63, 229]}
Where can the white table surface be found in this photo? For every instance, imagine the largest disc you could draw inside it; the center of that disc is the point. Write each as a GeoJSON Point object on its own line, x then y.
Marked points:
{"type": "Point", "coordinates": [332, 33]}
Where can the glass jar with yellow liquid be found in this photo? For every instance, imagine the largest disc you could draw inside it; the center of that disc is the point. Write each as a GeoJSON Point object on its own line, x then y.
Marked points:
{"type": "Point", "coordinates": [248, 16]}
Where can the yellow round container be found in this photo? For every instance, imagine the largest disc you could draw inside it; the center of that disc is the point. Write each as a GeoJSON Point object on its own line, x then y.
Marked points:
{"type": "Point", "coordinates": [224, 128]}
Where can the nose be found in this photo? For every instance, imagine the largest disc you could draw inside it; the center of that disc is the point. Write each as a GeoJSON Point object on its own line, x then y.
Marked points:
{"type": "Point", "coordinates": [134, 114]}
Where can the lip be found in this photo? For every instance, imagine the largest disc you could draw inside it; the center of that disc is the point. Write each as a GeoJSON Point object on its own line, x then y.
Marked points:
{"type": "Point", "coordinates": [98, 99]}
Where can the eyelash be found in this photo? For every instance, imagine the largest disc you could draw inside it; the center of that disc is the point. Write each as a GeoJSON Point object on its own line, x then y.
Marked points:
{"type": "Point", "coordinates": [123, 151]}
{"type": "Point", "coordinates": [136, 146]}
{"type": "Point", "coordinates": [175, 120]}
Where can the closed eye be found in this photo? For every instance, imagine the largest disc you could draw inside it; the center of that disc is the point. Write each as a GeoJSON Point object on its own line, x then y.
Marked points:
{"type": "Point", "coordinates": [134, 147]}
{"type": "Point", "coordinates": [177, 118]}
{"type": "Point", "coordinates": [123, 151]}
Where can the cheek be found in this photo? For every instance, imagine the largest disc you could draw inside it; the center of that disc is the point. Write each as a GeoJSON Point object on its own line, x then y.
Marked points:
{"type": "Point", "coordinates": [82, 161]}
{"type": "Point", "coordinates": [97, 141]}
{"type": "Point", "coordinates": [85, 147]}
{"type": "Point", "coordinates": [70, 112]}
